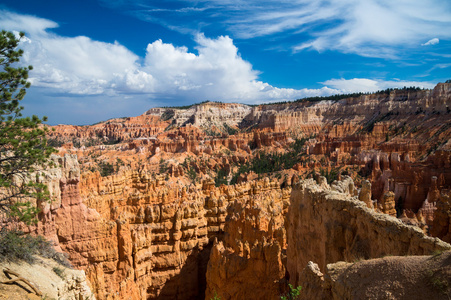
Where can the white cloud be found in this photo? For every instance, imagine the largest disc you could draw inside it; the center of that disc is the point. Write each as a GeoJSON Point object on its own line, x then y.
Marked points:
{"type": "Point", "coordinates": [369, 85]}
{"type": "Point", "coordinates": [82, 66]}
{"type": "Point", "coordinates": [15, 22]}
{"type": "Point", "coordinates": [433, 41]}
{"type": "Point", "coordinates": [216, 72]}
{"type": "Point", "coordinates": [368, 28]}
{"type": "Point", "coordinates": [75, 65]}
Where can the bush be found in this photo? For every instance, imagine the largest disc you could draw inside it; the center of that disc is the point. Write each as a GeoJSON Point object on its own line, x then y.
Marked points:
{"type": "Point", "coordinates": [273, 162]}
{"type": "Point", "coordinates": [106, 169]}
{"type": "Point", "coordinates": [163, 166]}
{"type": "Point", "coordinates": [330, 176]}
{"type": "Point", "coordinates": [221, 177]}
{"type": "Point", "coordinates": [292, 294]}
{"type": "Point", "coordinates": [15, 245]}
{"type": "Point", "coordinates": [192, 175]}
{"type": "Point", "coordinates": [230, 130]}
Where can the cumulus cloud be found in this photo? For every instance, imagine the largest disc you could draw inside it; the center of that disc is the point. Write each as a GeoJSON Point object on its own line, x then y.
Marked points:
{"type": "Point", "coordinates": [82, 66]}
{"type": "Point", "coordinates": [433, 41]}
{"type": "Point", "coordinates": [217, 71]}
{"type": "Point", "coordinates": [77, 65]}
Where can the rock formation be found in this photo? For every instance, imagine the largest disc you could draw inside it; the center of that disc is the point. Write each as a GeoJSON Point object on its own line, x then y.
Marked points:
{"type": "Point", "coordinates": [441, 226]}
{"type": "Point", "coordinates": [392, 277]}
{"type": "Point", "coordinates": [326, 226]}
{"type": "Point", "coordinates": [136, 237]}
{"type": "Point", "coordinates": [67, 284]}
{"type": "Point", "coordinates": [247, 264]}
{"type": "Point", "coordinates": [147, 213]}
{"type": "Point", "coordinates": [387, 204]}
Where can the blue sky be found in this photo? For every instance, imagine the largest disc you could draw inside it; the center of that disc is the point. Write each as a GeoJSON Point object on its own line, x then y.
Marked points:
{"type": "Point", "coordinates": [99, 59]}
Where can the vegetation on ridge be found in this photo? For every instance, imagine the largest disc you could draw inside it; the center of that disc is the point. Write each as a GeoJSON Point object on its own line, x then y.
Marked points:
{"type": "Point", "coordinates": [15, 245]}
{"type": "Point", "coordinates": [266, 163]}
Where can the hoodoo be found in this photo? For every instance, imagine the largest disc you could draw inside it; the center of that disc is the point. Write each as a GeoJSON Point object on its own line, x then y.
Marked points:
{"type": "Point", "coordinates": [235, 201]}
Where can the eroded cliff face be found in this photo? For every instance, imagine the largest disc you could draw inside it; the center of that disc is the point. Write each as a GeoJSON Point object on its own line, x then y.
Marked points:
{"type": "Point", "coordinates": [327, 224]}
{"type": "Point", "coordinates": [248, 262]}
{"type": "Point", "coordinates": [399, 140]}
{"type": "Point", "coordinates": [138, 238]}
{"type": "Point", "coordinates": [159, 228]}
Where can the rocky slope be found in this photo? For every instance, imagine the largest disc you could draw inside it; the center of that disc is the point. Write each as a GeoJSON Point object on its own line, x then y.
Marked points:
{"type": "Point", "coordinates": [51, 279]}
{"type": "Point", "coordinates": [392, 277]}
{"type": "Point", "coordinates": [136, 237]}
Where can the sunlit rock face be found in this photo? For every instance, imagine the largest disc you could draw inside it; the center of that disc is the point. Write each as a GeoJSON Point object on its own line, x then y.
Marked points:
{"type": "Point", "coordinates": [326, 225]}
{"type": "Point", "coordinates": [137, 238]}
{"type": "Point", "coordinates": [153, 230]}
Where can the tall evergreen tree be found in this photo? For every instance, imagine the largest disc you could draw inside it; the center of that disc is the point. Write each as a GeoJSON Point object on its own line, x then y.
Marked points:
{"type": "Point", "coordinates": [23, 146]}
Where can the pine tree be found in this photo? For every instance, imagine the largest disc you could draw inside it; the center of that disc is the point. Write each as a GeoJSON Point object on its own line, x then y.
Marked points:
{"type": "Point", "coordinates": [23, 146]}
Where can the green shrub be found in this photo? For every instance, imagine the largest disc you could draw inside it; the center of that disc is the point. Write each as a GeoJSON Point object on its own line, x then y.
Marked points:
{"type": "Point", "coordinates": [292, 294]}
{"type": "Point", "coordinates": [106, 169]}
{"type": "Point", "coordinates": [221, 177]}
{"type": "Point", "coordinates": [330, 176]}
{"type": "Point", "coordinates": [273, 162]}
{"type": "Point", "coordinates": [15, 245]}
{"type": "Point", "coordinates": [192, 174]}
{"type": "Point", "coordinates": [216, 297]}
{"type": "Point", "coordinates": [163, 166]}
{"type": "Point", "coordinates": [55, 142]}
{"type": "Point", "coordinates": [230, 130]}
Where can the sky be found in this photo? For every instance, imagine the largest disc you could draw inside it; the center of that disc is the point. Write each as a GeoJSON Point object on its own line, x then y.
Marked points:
{"type": "Point", "coordinates": [99, 59]}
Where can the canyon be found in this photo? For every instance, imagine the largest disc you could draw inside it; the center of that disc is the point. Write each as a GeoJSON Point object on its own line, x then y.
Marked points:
{"type": "Point", "coordinates": [236, 201]}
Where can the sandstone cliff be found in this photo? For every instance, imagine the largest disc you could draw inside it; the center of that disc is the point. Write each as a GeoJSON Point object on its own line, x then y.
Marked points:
{"type": "Point", "coordinates": [248, 262]}
{"type": "Point", "coordinates": [160, 224]}
{"type": "Point", "coordinates": [137, 237]}
{"type": "Point", "coordinates": [325, 225]}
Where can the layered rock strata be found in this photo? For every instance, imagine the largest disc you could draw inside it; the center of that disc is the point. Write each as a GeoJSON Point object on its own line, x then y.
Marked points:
{"type": "Point", "coordinates": [140, 235]}
{"type": "Point", "coordinates": [248, 262]}
{"type": "Point", "coordinates": [326, 225]}
{"type": "Point", "coordinates": [136, 237]}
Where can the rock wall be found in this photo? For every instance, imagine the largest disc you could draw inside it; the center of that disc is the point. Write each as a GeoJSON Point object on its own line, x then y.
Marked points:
{"type": "Point", "coordinates": [147, 241]}
{"type": "Point", "coordinates": [327, 224]}
{"type": "Point", "coordinates": [137, 237]}
{"type": "Point", "coordinates": [114, 130]}
{"type": "Point", "coordinates": [248, 262]}
{"type": "Point", "coordinates": [441, 226]}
